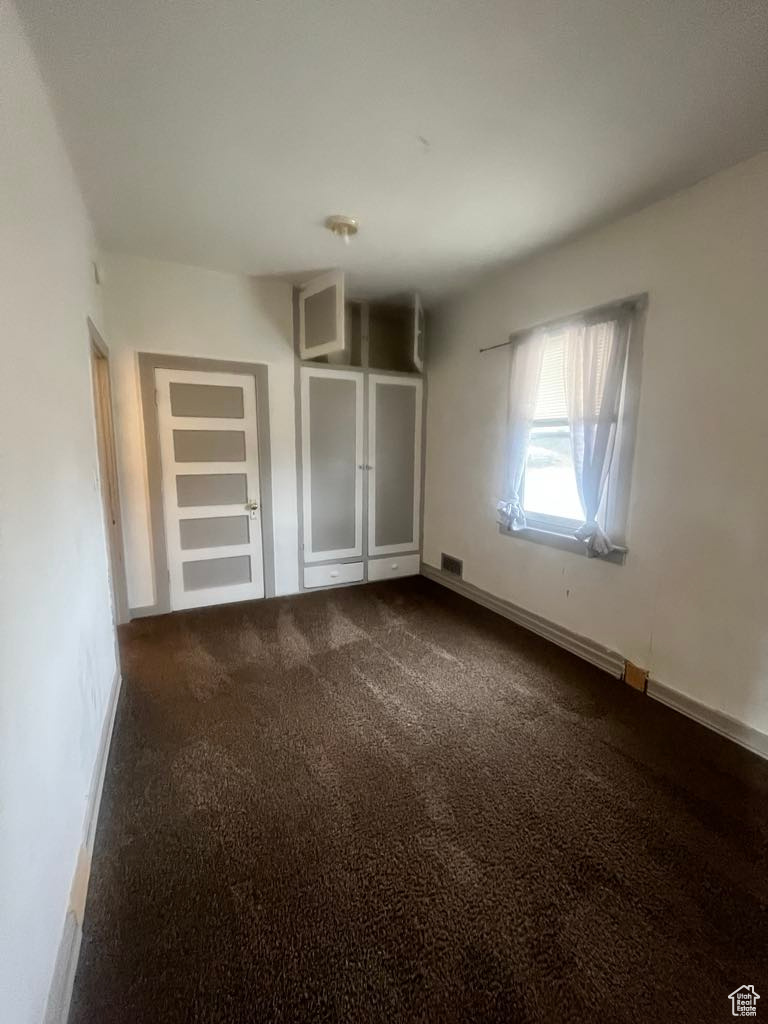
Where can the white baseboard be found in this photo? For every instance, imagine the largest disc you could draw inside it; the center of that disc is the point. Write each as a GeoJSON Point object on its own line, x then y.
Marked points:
{"type": "Point", "coordinates": [100, 767]}
{"type": "Point", "coordinates": [718, 721]}
{"type": "Point", "coordinates": [609, 661]}
{"type": "Point", "coordinates": [62, 983]}
{"type": "Point", "coordinates": [60, 992]}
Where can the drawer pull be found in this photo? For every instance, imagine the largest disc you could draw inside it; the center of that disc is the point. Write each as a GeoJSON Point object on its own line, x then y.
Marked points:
{"type": "Point", "coordinates": [334, 575]}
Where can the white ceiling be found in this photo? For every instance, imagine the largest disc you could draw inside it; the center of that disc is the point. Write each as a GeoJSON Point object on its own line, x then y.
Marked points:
{"type": "Point", "coordinates": [460, 132]}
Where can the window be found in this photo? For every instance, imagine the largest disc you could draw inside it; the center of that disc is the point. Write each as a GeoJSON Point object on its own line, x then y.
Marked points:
{"type": "Point", "coordinates": [549, 483]}
{"type": "Point", "coordinates": [573, 402]}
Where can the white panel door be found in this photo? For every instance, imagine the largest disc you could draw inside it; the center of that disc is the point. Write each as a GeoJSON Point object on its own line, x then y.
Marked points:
{"type": "Point", "coordinates": [394, 470]}
{"type": "Point", "coordinates": [211, 500]}
{"type": "Point", "coordinates": [332, 463]}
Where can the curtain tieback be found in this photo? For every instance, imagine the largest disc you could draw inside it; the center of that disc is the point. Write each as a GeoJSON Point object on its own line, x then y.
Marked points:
{"type": "Point", "coordinates": [596, 539]}
{"type": "Point", "coordinates": [511, 515]}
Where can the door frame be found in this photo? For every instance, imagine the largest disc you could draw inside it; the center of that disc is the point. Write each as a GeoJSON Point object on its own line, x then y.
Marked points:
{"type": "Point", "coordinates": [148, 363]}
{"type": "Point", "coordinates": [104, 423]}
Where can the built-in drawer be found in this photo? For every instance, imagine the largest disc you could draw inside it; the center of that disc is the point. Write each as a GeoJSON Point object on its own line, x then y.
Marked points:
{"type": "Point", "coordinates": [395, 565]}
{"type": "Point", "coordinates": [330, 575]}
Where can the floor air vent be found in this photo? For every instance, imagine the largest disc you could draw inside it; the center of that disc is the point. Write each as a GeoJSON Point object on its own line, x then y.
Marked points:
{"type": "Point", "coordinates": [454, 566]}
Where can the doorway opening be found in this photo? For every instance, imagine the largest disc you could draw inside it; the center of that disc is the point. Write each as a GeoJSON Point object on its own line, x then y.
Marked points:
{"type": "Point", "coordinates": [110, 491]}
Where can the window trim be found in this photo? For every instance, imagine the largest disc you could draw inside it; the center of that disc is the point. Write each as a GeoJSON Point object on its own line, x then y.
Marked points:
{"type": "Point", "coordinates": [564, 541]}
{"type": "Point", "coordinates": [553, 524]}
{"type": "Point", "coordinates": [554, 531]}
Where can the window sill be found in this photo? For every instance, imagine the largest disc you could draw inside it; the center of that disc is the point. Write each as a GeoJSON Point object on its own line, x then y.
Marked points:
{"type": "Point", "coordinates": [564, 542]}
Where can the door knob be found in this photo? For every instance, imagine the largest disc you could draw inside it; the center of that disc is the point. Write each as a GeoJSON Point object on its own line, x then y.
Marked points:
{"type": "Point", "coordinates": [253, 507]}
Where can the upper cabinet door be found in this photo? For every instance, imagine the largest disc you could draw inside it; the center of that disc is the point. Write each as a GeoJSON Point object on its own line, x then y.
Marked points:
{"type": "Point", "coordinates": [394, 470]}
{"type": "Point", "coordinates": [321, 316]}
{"type": "Point", "coordinates": [418, 334]}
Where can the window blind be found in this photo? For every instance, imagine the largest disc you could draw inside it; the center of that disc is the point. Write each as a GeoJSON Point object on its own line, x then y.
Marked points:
{"type": "Point", "coordinates": [550, 399]}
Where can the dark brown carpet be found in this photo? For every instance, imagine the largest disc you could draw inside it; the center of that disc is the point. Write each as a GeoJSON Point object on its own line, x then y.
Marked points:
{"type": "Point", "coordinates": [387, 804]}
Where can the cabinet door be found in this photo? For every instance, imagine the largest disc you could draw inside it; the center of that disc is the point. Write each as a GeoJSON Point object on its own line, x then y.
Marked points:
{"type": "Point", "coordinates": [332, 463]}
{"type": "Point", "coordinates": [394, 472]}
{"type": "Point", "coordinates": [321, 316]}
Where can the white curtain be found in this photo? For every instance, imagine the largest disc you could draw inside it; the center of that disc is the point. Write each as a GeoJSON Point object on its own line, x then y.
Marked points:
{"type": "Point", "coordinates": [595, 356]}
{"type": "Point", "coordinates": [525, 370]}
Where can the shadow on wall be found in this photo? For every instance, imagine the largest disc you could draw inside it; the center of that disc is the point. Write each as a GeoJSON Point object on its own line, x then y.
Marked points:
{"type": "Point", "coordinates": [274, 304]}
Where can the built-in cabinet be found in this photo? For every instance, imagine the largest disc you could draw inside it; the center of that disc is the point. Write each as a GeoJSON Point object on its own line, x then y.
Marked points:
{"type": "Point", "coordinates": [360, 412]}
{"type": "Point", "coordinates": [381, 334]}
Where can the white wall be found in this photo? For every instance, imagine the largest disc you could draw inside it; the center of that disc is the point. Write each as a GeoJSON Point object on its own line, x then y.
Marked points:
{"type": "Point", "coordinates": [691, 602]}
{"type": "Point", "coordinates": [57, 657]}
{"type": "Point", "coordinates": [153, 306]}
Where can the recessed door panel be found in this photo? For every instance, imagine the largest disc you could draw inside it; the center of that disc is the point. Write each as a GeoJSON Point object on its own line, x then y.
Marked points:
{"type": "Point", "coordinates": [213, 532]}
{"type": "Point", "coordinates": [211, 489]}
{"type": "Point", "coordinates": [211, 400]}
{"type": "Point", "coordinates": [332, 457]}
{"type": "Point", "coordinates": [321, 316]}
{"type": "Point", "coordinates": [394, 458]}
{"type": "Point", "coordinates": [214, 573]}
{"type": "Point", "coordinates": [333, 471]}
{"type": "Point", "coordinates": [209, 445]}
{"type": "Point", "coordinates": [394, 474]}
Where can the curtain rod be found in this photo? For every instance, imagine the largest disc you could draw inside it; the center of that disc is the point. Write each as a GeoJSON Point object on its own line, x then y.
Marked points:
{"type": "Point", "coordinates": [632, 302]}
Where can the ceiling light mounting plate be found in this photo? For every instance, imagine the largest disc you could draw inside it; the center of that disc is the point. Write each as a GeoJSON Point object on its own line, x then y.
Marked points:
{"type": "Point", "coordinates": [342, 226]}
